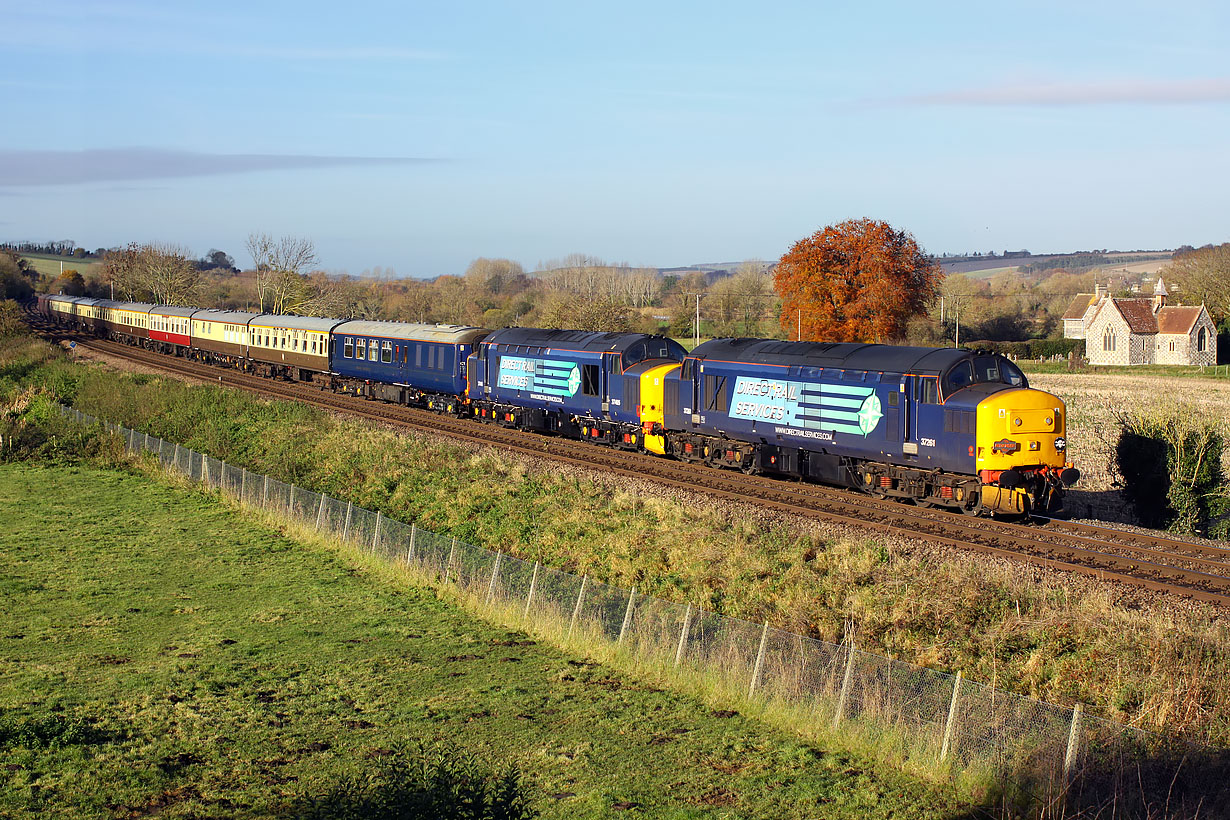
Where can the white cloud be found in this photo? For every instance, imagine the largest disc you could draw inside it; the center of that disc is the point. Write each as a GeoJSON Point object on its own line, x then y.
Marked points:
{"type": "Point", "coordinates": [1115, 92]}
{"type": "Point", "coordinates": [20, 168]}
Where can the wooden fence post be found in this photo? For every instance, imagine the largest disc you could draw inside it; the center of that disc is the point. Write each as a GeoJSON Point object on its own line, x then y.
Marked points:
{"type": "Point", "coordinates": [952, 718]}
{"type": "Point", "coordinates": [414, 531]}
{"type": "Point", "coordinates": [349, 509]}
{"type": "Point", "coordinates": [495, 573]}
{"type": "Point", "coordinates": [845, 686]}
{"type": "Point", "coordinates": [320, 510]}
{"type": "Point", "coordinates": [265, 494]}
{"type": "Point", "coordinates": [376, 533]}
{"type": "Point", "coordinates": [764, 639]}
{"type": "Point", "coordinates": [627, 617]}
{"type": "Point", "coordinates": [243, 482]}
{"type": "Point", "coordinates": [1074, 741]}
{"type": "Point", "coordinates": [452, 553]}
{"type": "Point", "coordinates": [530, 597]}
{"type": "Point", "coordinates": [683, 636]}
{"type": "Point", "coordinates": [576, 610]}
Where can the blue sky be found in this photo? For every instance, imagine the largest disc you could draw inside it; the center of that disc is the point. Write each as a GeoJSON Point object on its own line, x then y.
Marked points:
{"type": "Point", "coordinates": [418, 136]}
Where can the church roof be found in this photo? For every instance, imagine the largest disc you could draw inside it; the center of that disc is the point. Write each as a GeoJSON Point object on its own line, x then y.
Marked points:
{"type": "Point", "coordinates": [1177, 319]}
{"type": "Point", "coordinates": [1080, 304]}
{"type": "Point", "coordinates": [1138, 313]}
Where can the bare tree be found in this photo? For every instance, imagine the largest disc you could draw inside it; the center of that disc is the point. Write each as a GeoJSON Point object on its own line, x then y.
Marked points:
{"type": "Point", "coordinates": [159, 273]}
{"type": "Point", "coordinates": [282, 283]}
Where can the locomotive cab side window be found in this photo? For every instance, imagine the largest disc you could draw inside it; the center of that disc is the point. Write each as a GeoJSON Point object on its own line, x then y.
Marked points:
{"type": "Point", "coordinates": [927, 390]}
{"type": "Point", "coordinates": [589, 379]}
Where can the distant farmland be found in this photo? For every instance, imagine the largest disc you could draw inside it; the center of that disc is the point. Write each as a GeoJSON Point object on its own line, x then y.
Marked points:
{"type": "Point", "coordinates": [49, 266]}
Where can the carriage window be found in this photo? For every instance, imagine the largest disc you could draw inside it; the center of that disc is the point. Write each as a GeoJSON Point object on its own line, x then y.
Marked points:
{"type": "Point", "coordinates": [418, 355]}
{"type": "Point", "coordinates": [361, 345]}
{"type": "Point", "coordinates": [373, 350]}
{"type": "Point", "coordinates": [386, 352]}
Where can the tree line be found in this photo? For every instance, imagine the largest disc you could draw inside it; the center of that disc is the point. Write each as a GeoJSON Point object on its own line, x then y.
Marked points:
{"type": "Point", "coordinates": [859, 280]}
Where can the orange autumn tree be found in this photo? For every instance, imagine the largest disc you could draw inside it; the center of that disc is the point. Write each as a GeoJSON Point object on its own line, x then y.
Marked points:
{"type": "Point", "coordinates": [857, 281]}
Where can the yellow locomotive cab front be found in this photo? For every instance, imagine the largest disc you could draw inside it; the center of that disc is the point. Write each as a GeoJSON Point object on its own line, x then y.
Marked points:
{"type": "Point", "coordinates": [1021, 451]}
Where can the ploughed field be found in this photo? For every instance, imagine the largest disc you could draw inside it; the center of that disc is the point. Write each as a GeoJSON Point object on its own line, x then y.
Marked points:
{"type": "Point", "coordinates": [161, 654]}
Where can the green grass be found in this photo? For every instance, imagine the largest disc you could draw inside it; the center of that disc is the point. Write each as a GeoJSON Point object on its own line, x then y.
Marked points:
{"type": "Point", "coordinates": [1221, 371]}
{"type": "Point", "coordinates": [163, 654]}
{"type": "Point", "coordinates": [49, 266]}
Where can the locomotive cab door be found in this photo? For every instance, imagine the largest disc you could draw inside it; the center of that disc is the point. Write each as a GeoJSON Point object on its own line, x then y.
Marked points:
{"type": "Point", "coordinates": [894, 404]}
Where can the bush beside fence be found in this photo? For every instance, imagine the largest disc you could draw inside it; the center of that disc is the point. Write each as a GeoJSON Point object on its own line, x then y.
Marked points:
{"type": "Point", "coordinates": [958, 726]}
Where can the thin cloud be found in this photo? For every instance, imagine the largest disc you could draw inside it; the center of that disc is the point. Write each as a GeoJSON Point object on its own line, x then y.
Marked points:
{"type": "Point", "coordinates": [1120, 92]}
{"type": "Point", "coordinates": [32, 168]}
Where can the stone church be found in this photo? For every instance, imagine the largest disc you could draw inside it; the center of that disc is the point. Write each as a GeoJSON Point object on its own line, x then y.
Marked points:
{"type": "Point", "coordinates": [1141, 330]}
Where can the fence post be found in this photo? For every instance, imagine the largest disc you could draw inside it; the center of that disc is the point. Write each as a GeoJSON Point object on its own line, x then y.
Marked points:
{"type": "Point", "coordinates": [176, 455]}
{"type": "Point", "coordinates": [265, 494]}
{"type": "Point", "coordinates": [349, 507]}
{"type": "Point", "coordinates": [495, 573]}
{"type": "Point", "coordinates": [243, 483]}
{"type": "Point", "coordinates": [952, 718]}
{"type": "Point", "coordinates": [627, 617]}
{"type": "Point", "coordinates": [576, 610]}
{"type": "Point", "coordinates": [530, 597]}
{"type": "Point", "coordinates": [414, 531]}
{"type": "Point", "coordinates": [291, 509]}
{"type": "Point", "coordinates": [146, 446]}
{"type": "Point", "coordinates": [845, 686]}
{"type": "Point", "coordinates": [205, 469]}
{"type": "Point", "coordinates": [320, 511]}
{"type": "Point", "coordinates": [221, 475]}
{"type": "Point", "coordinates": [452, 553]}
{"type": "Point", "coordinates": [764, 638]}
{"type": "Point", "coordinates": [376, 534]}
{"type": "Point", "coordinates": [683, 635]}
{"type": "Point", "coordinates": [1074, 735]}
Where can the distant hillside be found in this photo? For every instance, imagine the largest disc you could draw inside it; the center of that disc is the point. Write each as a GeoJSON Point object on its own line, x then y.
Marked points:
{"type": "Point", "coordinates": [982, 266]}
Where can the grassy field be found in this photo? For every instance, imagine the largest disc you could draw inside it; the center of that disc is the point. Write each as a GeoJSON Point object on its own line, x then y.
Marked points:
{"type": "Point", "coordinates": [1095, 397]}
{"type": "Point", "coordinates": [49, 266]}
{"type": "Point", "coordinates": [162, 655]}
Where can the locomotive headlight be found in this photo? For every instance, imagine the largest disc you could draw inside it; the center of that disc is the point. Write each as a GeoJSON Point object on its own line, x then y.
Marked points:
{"type": "Point", "coordinates": [1060, 443]}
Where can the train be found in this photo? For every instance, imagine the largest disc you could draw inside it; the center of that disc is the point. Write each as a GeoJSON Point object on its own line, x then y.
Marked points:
{"type": "Point", "coordinates": [939, 427]}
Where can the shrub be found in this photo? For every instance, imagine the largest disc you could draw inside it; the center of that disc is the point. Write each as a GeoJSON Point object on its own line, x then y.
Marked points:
{"type": "Point", "coordinates": [422, 781]}
{"type": "Point", "coordinates": [1171, 469]}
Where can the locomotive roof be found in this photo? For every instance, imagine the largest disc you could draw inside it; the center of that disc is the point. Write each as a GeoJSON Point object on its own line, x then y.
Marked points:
{"type": "Point", "coordinates": [412, 331]}
{"type": "Point", "coordinates": [567, 339]}
{"type": "Point", "coordinates": [848, 356]}
{"type": "Point", "coordinates": [295, 322]}
{"type": "Point", "coordinates": [234, 317]}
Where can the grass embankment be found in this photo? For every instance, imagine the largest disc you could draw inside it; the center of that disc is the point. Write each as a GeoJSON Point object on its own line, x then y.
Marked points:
{"type": "Point", "coordinates": [165, 655]}
{"type": "Point", "coordinates": [1012, 627]}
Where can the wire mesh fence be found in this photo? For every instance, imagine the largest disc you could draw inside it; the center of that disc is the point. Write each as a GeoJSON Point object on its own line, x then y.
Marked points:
{"type": "Point", "coordinates": [964, 725]}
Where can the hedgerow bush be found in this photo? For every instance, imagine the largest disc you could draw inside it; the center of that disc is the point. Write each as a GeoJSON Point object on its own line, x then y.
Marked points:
{"type": "Point", "coordinates": [1171, 468]}
{"type": "Point", "coordinates": [1032, 348]}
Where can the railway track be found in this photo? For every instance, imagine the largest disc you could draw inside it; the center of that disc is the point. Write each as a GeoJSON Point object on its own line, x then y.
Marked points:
{"type": "Point", "coordinates": [1154, 562]}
